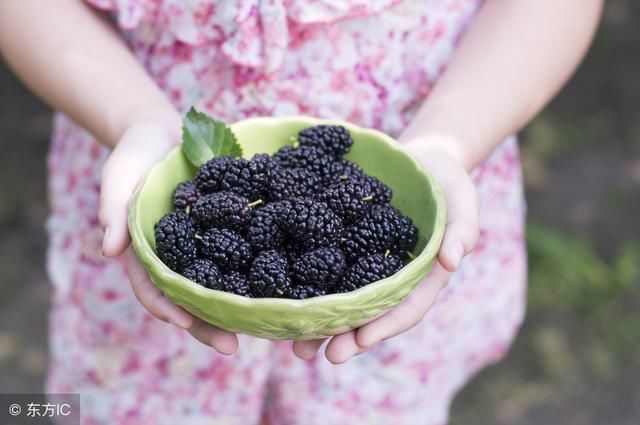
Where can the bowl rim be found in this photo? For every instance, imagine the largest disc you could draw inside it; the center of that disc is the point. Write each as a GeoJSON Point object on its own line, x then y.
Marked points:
{"type": "Point", "coordinates": [152, 263]}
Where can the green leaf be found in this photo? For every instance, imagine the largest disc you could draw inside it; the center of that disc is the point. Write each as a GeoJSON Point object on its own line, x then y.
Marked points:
{"type": "Point", "coordinates": [204, 138]}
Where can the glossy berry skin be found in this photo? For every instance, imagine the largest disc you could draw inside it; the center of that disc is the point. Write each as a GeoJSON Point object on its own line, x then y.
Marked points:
{"type": "Point", "coordinates": [311, 223]}
{"type": "Point", "coordinates": [348, 199]}
{"type": "Point", "coordinates": [302, 292]}
{"type": "Point", "coordinates": [320, 268]}
{"type": "Point", "coordinates": [289, 183]}
{"type": "Point", "coordinates": [369, 269]}
{"type": "Point", "coordinates": [250, 179]}
{"type": "Point", "coordinates": [380, 193]}
{"type": "Point", "coordinates": [333, 139]}
{"type": "Point", "coordinates": [384, 228]}
{"type": "Point", "coordinates": [234, 283]}
{"type": "Point", "coordinates": [210, 174]}
{"type": "Point", "coordinates": [349, 170]}
{"type": "Point", "coordinates": [269, 275]}
{"type": "Point", "coordinates": [264, 231]}
{"type": "Point", "coordinates": [221, 209]}
{"type": "Point", "coordinates": [226, 248]}
{"type": "Point", "coordinates": [312, 159]}
{"type": "Point", "coordinates": [203, 272]}
{"type": "Point", "coordinates": [175, 243]}
{"type": "Point", "coordinates": [185, 195]}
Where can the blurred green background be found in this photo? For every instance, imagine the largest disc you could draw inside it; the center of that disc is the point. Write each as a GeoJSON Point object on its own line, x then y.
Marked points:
{"type": "Point", "coordinates": [577, 358]}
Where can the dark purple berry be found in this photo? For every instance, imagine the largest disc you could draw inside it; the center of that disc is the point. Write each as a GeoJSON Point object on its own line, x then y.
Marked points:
{"type": "Point", "coordinates": [249, 178]}
{"type": "Point", "coordinates": [369, 269]}
{"type": "Point", "coordinates": [235, 283]}
{"type": "Point", "coordinates": [226, 248]}
{"type": "Point", "coordinates": [175, 243]}
{"type": "Point", "coordinates": [348, 199]}
{"type": "Point", "coordinates": [384, 228]}
{"type": "Point", "coordinates": [203, 272]}
{"type": "Point", "coordinates": [185, 195]}
{"type": "Point", "coordinates": [333, 139]}
{"type": "Point", "coordinates": [221, 209]}
{"type": "Point", "coordinates": [211, 173]}
{"type": "Point", "coordinates": [289, 183]}
{"type": "Point", "coordinates": [321, 267]}
{"type": "Point", "coordinates": [311, 223]}
{"type": "Point", "coordinates": [269, 275]}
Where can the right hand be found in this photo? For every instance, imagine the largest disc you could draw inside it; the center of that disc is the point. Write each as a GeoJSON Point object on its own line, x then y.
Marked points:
{"type": "Point", "coordinates": [142, 145]}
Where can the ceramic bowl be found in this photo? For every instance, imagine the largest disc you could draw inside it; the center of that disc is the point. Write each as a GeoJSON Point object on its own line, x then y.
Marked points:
{"type": "Point", "coordinates": [415, 194]}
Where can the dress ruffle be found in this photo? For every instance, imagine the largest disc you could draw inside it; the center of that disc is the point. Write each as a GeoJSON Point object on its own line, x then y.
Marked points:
{"type": "Point", "coordinates": [251, 33]}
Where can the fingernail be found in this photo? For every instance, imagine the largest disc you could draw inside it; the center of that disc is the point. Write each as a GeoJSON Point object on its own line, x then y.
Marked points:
{"type": "Point", "coordinates": [456, 255]}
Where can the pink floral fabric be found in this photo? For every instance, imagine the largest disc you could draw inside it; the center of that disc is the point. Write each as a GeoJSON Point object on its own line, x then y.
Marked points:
{"type": "Point", "coordinates": [370, 62]}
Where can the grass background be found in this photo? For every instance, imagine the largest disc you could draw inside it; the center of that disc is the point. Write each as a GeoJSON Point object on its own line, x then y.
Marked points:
{"type": "Point", "coordinates": [577, 358]}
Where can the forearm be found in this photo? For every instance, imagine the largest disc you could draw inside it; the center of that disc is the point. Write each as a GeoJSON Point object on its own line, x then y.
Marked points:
{"type": "Point", "coordinates": [512, 60]}
{"type": "Point", "coordinates": [73, 58]}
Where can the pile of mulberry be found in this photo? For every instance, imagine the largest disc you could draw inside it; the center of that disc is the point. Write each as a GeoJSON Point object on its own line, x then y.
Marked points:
{"type": "Point", "coordinates": [302, 223]}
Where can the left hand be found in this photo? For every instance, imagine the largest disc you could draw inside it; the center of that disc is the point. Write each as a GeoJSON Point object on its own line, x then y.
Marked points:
{"type": "Point", "coordinates": [460, 237]}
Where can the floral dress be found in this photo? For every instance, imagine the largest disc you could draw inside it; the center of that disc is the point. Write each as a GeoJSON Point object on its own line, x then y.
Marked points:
{"type": "Point", "coordinates": [369, 62]}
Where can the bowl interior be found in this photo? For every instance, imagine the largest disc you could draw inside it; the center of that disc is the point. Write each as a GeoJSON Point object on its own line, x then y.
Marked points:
{"type": "Point", "coordinates": [414, 194]}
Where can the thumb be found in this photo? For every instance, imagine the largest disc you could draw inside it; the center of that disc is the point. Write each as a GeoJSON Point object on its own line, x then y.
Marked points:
{"type": "Point", "coordinates": [140, 147]}
{"type": "Point", "coordinates": [461, 232]}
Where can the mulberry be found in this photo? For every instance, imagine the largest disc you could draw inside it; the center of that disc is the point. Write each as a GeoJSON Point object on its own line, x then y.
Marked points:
{"type": "Point", "coordinates": [264, 232]}
{"type": "Point", "coordinates": [293, 183]}
{"type": "Point", "coordinates": [269, 275]}
{"type": "Point", "coordinates": [384, 228]}
{"type": "Point", "coordinates": [369, 269]}
{"type": "Point", "coordinates": [203, 272]}
{"type": "Point", "coordinates": [226, 248]}
{"type": "Point", "coordinates": [175, 243]}
{"type": "Point", "coordinates": [185, 195]}
{"type": "Point", "coordinates": [313, 159]}
{"type": "Point", "coordinates": [222, 209]}
{"type": "Point", "coordinates": [235, 283]}
{"type": "Point", "coordinates": [348, 199]}
{"type": "Point", "coordinates": [249, 178]}
{"type": "Point", "coordinates": [333, 139]}
{"type": "Point", "coordinates": [302, 292]}
{"type": "Point", "coordinates": [311, 223]}
{"type": "Point", "coordinates": [321, 267]}
{"type": "Point", "coordinates": [211, 173]}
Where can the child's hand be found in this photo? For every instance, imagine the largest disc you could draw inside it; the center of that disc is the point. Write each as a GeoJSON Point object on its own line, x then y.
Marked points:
{"type": "Point", "coordinates": [460, 237]}
{"type": "Point", "coordinates": [142, 145]}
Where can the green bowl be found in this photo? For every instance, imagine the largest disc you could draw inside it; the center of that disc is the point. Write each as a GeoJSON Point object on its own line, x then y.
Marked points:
{"type": "Point", "coordinates": [415, 193]}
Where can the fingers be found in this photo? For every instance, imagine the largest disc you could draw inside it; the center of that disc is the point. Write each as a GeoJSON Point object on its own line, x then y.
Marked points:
{"type": "Point", "coordinates": [406, 315]}
{"type": "Point", "coordinates": [306, 350]}
{"type": "Point", "coordinates": [461, 232]}
{"type": "Point", "coordinates": [222, 341]}
{"type": "Point", "coordinates": [160, 307]}
{"type": "Point", "coordinates": [342, 347]}
{"type": "Point", "coordinates": [151, 297]}
{"type": "Point", "coordinates": [140, 147]}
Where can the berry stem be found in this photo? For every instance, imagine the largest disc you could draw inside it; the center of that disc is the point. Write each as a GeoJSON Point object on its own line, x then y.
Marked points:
{"type": "Point", "coordinates": [344, 177]}
{"type": "Point", "coordinates": [197, 236]}
{"type": "Point", "coordinates": [254, 203]}
{"type": "Point", "coordinates": [410, 255]}
{"type": "Point", "coordinates": [386, 253]}
{"type": "Point", "coordinates": [368, 198]}
{"type": "Point", "coordinates": [187, 209]}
